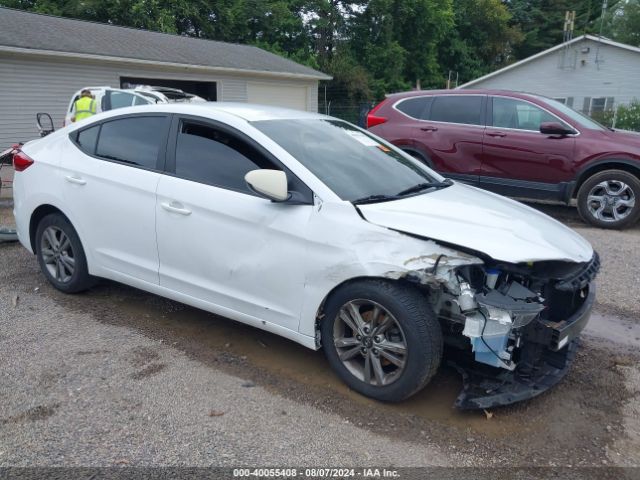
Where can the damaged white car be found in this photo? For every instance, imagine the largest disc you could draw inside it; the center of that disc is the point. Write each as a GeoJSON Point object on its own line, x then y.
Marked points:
{"type": "Point", "coordinates": [313, 229]}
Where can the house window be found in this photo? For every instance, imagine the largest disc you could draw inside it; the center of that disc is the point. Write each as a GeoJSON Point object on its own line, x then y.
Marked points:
{"type": "Point", "coordinates": [597, 105]}
{"type": "Point", "coordinates": [562, 100]}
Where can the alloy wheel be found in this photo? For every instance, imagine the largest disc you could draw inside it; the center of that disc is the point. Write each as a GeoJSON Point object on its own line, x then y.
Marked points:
{"type": "Point", "coordinates": [611, 201]}
{"type": "Point", "coordinates": [57, 254]}
{"type": "Point", "coordinates": [370, 342]}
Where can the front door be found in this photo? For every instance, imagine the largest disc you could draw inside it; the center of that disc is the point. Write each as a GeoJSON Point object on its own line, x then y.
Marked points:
{"type": "Point", "coordinates": [218, 241]}
{"type": "Point", "coordinates": [519, 160]}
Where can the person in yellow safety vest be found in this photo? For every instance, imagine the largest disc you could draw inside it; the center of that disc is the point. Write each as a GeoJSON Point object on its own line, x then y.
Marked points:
{"type": "Point", "coordinates": [84, 107]}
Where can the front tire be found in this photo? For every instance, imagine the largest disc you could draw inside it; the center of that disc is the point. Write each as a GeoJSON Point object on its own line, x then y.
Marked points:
{"type": "Point", "coordinates": [61, 256]}
{"type": "Point", "coordinates": [382, 339]}
{"type": "Point", "coordinates": [610, 199]}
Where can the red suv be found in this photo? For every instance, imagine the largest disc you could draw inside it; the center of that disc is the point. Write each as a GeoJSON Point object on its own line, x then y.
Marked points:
{"type": "Point", "coordinates": [518, 144]}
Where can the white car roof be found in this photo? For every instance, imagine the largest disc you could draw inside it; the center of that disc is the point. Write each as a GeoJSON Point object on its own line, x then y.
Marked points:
{"type": "Point", "coordinates": [247, 111]}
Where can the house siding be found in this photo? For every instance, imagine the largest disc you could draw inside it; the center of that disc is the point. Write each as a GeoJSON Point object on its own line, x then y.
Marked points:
{"type": "Point", "coordinates": [32, 84]}
{"type": "Point", "coordinates": [616, 76]}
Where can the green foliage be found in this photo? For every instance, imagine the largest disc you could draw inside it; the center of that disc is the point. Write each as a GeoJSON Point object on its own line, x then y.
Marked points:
{"type": "Point", "coordinates": [482, 41]}
{"type": "Point", "coordinates": [370, 47]}
{"type": "Point", "coordinates": [624, 117]}
{"type": "Point", "coordinates": [623, 22]}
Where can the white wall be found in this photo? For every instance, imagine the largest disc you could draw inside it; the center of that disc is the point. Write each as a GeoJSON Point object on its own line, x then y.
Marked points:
{"type": "Point", "coordinates": [616, 75]}
{"type": "Point", "coordinates": [31, 84]}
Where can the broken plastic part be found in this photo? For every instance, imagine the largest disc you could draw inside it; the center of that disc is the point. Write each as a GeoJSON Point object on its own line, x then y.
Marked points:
{"type": "Point", "coordinates": [486, 387]}
{"type": "Point", "coordinates": [489, 337]}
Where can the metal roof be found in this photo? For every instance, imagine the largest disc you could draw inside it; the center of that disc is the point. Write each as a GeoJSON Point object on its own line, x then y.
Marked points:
{"type": "Point", "coordinates": [39, 33]}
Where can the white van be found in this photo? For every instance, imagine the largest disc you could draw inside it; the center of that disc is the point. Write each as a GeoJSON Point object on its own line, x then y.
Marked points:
{"type": "Point", "coordinates": [108, 98]}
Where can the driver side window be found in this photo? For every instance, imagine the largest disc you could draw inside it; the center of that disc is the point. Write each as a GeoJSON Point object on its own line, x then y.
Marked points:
{"type": "Point", "coordinates": [209, 155]}
{"type": "Point", "coordinates": [519, 115]}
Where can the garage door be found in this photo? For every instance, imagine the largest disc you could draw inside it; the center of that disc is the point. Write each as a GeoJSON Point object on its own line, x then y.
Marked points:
{"type": "Point", "coordinates": [288, 96]}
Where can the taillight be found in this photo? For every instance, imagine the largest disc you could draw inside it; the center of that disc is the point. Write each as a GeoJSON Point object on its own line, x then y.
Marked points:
{"type": "Point", "coordinates": [372, 119]}
{"type": "Point", "coordinates": [21, 161]}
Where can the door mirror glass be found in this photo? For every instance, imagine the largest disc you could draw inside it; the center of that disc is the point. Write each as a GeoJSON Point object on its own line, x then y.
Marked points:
{"type": "Point", "coordinates": [271, 184]}
{"type": "Point", "coordinates": [555, 128]}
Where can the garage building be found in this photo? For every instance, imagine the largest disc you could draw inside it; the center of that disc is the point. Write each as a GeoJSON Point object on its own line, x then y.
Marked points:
{"type": "Point", "coordinates": [45, 59]}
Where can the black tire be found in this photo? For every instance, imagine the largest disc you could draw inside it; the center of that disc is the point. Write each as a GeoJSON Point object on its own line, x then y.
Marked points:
{"type": "Point", "coordinates": [591, 185]}
{"type": "Point", "coordinates": [418, 326]}
{"type": "Point", "coordinates": [79, 279]}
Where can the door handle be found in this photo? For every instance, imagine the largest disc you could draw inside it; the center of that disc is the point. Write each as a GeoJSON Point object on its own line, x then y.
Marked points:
{"type": "Point", "coordinates": [429, 128]}
{"type": "Point", "coordinates": [496, 134]}
{"type": "Point", "coordinates": [175, 207]}
{"type": "Point", "coordinates": [75, 179]}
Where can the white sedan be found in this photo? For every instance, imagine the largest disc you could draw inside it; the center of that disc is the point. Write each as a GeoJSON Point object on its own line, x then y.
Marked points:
{"type": "Point", "coordinates": [311, 228]}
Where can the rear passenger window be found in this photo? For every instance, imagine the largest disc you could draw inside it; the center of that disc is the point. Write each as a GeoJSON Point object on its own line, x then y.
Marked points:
{"type": "Point", "coordinates": [132, 140]}
{"type": "Point", "coordinates": [208, 155]}
{"type": "Point", "coordinates": [415, 107]}
{"type": "Point", "coordinates": [86, 139]}
{"type": "Point", "coordinates": [466, 109]}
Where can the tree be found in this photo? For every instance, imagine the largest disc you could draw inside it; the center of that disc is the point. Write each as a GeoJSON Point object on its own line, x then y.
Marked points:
{"type": "Point", "coordinates": [482, 41]}
{"type": "Point", "coordinates": [542, 22]}
{"type": "Point", "coordinates": [623, 22]}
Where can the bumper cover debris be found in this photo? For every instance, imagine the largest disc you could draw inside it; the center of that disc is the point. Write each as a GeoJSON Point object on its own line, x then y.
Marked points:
{"type": "Point", "coordinates": [483, 388]}
{"type": "Point", "coordinates": [549, 351]}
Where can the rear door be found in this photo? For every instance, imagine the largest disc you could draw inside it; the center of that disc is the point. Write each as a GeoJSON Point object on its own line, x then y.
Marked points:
{"type": "Point", "coordinates": [519, 160]}
{"type": "Point", "coordinates": [110, 187]}
{"type": "Point", "coordinates": [452, 133]}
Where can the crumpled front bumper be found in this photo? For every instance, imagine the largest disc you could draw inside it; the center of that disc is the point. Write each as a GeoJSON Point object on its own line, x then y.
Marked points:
{"type": "Point", "coordinates": [548, 353]}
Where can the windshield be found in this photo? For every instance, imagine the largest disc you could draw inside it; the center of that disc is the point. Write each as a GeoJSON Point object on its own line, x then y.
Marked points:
{"type": "Point", "coordinates": [349, 161]}
{"type": "Point", "coordinates": [578, 117]}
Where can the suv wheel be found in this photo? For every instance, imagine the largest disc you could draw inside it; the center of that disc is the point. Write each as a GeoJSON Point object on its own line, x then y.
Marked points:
{"type": "Point", "coordinates": [61, 256]}
{"type": "Point", "coordinates": [382, 339]}
{"type": "Point", "coordinates": [610, 199]}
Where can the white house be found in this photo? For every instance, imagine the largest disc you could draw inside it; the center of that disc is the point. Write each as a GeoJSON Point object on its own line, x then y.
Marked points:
{"type": "Point", "coordinates": [590, 74]}
{"type": "Point", "coordinates": [45, 59]}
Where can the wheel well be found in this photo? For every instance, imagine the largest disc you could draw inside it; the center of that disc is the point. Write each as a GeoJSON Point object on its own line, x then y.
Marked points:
{"type": "Point", "coordinates": [37, 215]}
{"type": "Point", "coordinates": [320, 312]}
{"type": "Point", "coordinates": [600, 167]}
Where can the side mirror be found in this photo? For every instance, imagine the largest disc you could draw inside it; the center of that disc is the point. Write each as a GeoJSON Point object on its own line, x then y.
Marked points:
{"type": "Point", "coordinates": [268, 183]}
{"type": "Point", "coordinates": [555, 128]}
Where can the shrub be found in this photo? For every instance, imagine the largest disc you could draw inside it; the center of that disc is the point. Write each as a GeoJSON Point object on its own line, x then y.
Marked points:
{"type": "Point", "coordinates": [625, 117]}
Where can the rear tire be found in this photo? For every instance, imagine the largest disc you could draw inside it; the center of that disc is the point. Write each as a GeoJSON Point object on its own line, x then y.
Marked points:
{"type": "Point", "coordinates": [610, 199]}
{"type": "Point", "coordinates": [397, 339]}
{"type": "Point", "coordinates": [61, 256]}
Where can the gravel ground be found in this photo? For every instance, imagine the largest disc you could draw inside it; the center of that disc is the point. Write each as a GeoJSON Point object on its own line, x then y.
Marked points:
{"type": "Point", "coordinates": [117, 376]}
{"type": "Point", "coordinates": [77, 392]}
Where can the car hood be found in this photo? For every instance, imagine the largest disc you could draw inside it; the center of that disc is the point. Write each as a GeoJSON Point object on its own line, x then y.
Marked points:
{"type": "Point", "coordinates": [626, 136]}
{"type": "Point", "coordinates": [461, 215]}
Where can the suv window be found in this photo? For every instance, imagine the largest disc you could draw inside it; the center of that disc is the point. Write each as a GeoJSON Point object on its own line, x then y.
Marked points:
{"type": "Point", "coordinates": [417, 108]}
{"type": "Point", "coordinates": [209, 155]}
{"type": "Point", "coordinates": [86, 139]}
{"type": "Point", "coordinates": [466, 109]}
{"type": "Point", "coordinates": [132, 140]}
{"type": "Point", "coordinates": [512, 113]}
{"type": "Point", "coordinates": [121, 99]}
